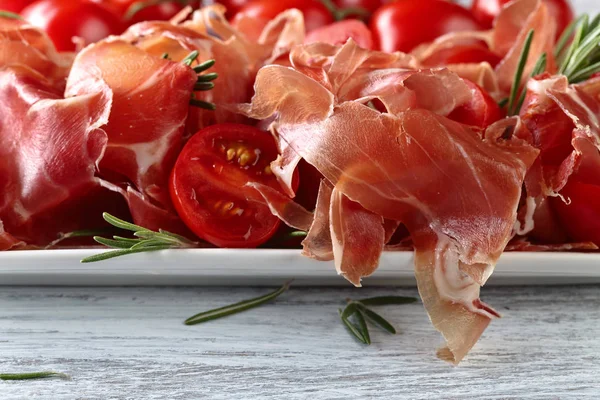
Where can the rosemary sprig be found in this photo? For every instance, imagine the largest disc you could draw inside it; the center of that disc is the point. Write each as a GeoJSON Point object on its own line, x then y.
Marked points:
{"type": "Point", "coordinates": [358, 310]}
{"type": "Point", "coordinates": [145, 241]}
{"type": "Point", "coordinates": [33, 375]}
{"type": "Point", "coordinates": [204, 81]}
{"type": "Point", "coordinates": [514, 90]}
{"type": "Point", "coordinates": [236, 307]}
{"type": "Point", "coordinates": [77, 234]}
{"type": "Point", "coordinates": [582, 58]}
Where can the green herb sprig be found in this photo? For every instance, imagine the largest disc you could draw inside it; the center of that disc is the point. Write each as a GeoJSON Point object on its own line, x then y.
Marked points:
{"type": "Point", "coordinates": [236, 307]}
{"type": "Point", "coordinates": [581, 59]}
{"type": "Point", "coordinates": [204, 81]}
{"type": "Point", "coordinates": [145, 240]}
{"type": "Point", "coordinates": [33, 376]}
{"type": "Point", "coordinates": [359, 311]}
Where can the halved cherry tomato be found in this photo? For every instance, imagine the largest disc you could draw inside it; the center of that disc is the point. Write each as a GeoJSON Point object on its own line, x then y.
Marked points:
{"type": "Point", "coordinates": [65, 19]}
{"type": "Point", "coordinates": [403, 25]}
{"type": "Point", "coordinates": [14, 6]}
{"type": "Point", "coordinates": [315, 13]}
{"type": "Point", "coordinates": [481, 111]}
{"type": "Point", "coordinates": [486, 10]}
{"type": "Point", "coordinates": [208, 181]}
{"type": "Point", "coordinates": [581, 217]}
{"type": "Point", "coordinates": [339, 32]}
{"type": "Point", "coordinates": [463, 53]}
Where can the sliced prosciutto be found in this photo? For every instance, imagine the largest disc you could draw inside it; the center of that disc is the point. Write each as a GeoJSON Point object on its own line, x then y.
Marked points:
{"type": "Point", "coordinates": [49, 151]}
{"type": "Point", "coordinates": [147, 116]}
{"type": "Point", "coordinates": [456, 191]}
{"type": "Point", "coordinates": [23, 44]}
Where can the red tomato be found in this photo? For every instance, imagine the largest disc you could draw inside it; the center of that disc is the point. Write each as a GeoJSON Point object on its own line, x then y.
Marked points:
{"type": "Point", "coordinates": [463, 53]}
{"type": "Point", "coordinates": [338, 33]}
{"type": "Point", "coordinates": [367, 5]}
{"type": "Point", "coordinates": [315, 13]}
{"type": "Point", "coordinates": [14, 6]}
{"type": "Point", "coordinates": [159, 12]}
{"type": "Point", "coordinates": [481, 111]}
{"type": "Point", "coordinates": [486, 10]}
{"type": "Point", "coordinates": [403, 25]}
{"type": "Point", "coordinates": [233, 6]}
{"type": "Point", "coordinates": [580, 218]}
{"type": "Point", "coordinates": [65, 19]}
{"type": "Point", "coordinates": [208, 185]}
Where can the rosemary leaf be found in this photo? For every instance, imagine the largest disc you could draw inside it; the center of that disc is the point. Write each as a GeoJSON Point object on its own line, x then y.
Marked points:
{"type": "Point", "coordinates": [502, 103]}
{"type": "Point", "coordinates": [165, 56]}
{"type": "Point", "coordinates": [190, 58]}
{"type": "Point", "coordinates": [202, 104]}
{"type": "Point", "coordinates": [207, 77]}
{"type": "Point", "coordinates": [377, 319]}
{"type": "Point", "coordinates": [33, 375]}
{"type": "Point", "coordinates": [581, 27]}
{"type": "Point", "coordinates": [540, 66]}
{"type": "Point", "coordinates": [585, 73]}
{"type": "Point", "coordinates": [237, 307]}
{"type": "Point", "coordinates": [8, 14]}
{"type": "Point", "coordinates": [363, 326]}
{"type": "Point", "coordinates": [387, 300]}
{"type": "Point", "coordinates": [115, 244]}
{"type": "Point", "coordinates": [204, 66]}
{"type": "Point", "coordinates": [514, 90]}
{"type": "Point", "coordinates": [564, 38]}
{"type": "Point", "coordinates": [119, 223]}
{"type": "Point", "coordinates": [204, 86]}
{"type": "Point", "coordinates": [351, 328]}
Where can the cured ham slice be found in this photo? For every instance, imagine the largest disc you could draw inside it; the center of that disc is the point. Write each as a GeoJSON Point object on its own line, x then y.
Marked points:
{"type": "Point", "coordinates": [150, 99]}
{"type": "Point", "coordinates": [357, 236]}
{"type": "Point", "coordinates": [460, 218]}
{"type": "Point", "coordinates": [23, 44]}
{"type": "Point", "coordinates": [317, 243]}
{"type": "Point", "coordinates": [49, 151]}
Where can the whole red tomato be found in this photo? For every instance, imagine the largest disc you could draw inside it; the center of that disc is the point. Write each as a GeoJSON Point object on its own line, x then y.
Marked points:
{"type": "Point", "coordinates": [233, 6]}
{"type": "Point", "coordinates": [315, 13]}
{"type": "Point", "coordinates": [403, 25]}
{"type": "Point", "coordinates": [463, 53]}
{"type": "Point", "coordinates": [581, 217]}
{"type": "Point", "coordinates": [486, 10]}
{"type": "Point", "coordinates": [14, 6]}
{"type": "Point", "coordinates": [65, 19]}
{"type": "Point", "coordinates": [208, 185]}
{"type": "Point", "coordinates": [162, 11]}
{"type": "Point", "coordinates": [361, 9]}
{"type": "Point", "coordinates": [339, 32]}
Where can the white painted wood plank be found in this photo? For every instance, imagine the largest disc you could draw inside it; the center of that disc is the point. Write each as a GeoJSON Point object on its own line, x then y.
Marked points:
{"type": "Point", "coordinates": [131, 344]}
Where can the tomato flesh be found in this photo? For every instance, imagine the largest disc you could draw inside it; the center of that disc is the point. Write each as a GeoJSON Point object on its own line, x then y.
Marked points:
{"type": "Point", "coordinates": [64, 19]}
{"type": "Point", "coordinates": [404, 24]}
{"type": "Point", "coordinates": [581, 217]}
{"type": "Point", "coordinates": [14, 6]}
{"type": "Point", "coordinates": [208, 185]}
{"type": "Point", "coordinates": [339, 32]}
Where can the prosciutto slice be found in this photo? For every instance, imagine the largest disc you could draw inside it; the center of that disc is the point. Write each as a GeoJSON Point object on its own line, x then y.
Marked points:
{"type": "Point", "coordinates": [150, 99]}
{"type": "Point", "coordinates": [49, 151]}
{"type": "Point", "coordinates": [23, 44]}
{"type": "Point", "coordinates": [460, 217]}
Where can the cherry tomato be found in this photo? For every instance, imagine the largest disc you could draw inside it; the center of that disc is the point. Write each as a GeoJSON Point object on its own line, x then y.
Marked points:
{"type": "Point", "coordinates": [162, 11]}
{"type": "Point", "coordinates": [233, 6]}
{"type": "Point", "coordinates": [403, 25]}
{"type": "Point", "coordinates": [367, 5]}
{"type": "Point", "coordinates": [486, 10]}
{"type": "Point", "coordinates": [339, 32]}
{"type": "Point", "coordinates": [481, 111]}
{"type": "Point", "coordinates": [581, 217]}
{"type": "Point", "coordinates": [208, 181]}
{"type": "Point", "coordinates": [315, 13]}
{"type": "Point", "coordinates": [463, 53]}
{"type": "Point", "coordinates": [14, 6]}
{"type": "Point", "coordinates": [65, 19]}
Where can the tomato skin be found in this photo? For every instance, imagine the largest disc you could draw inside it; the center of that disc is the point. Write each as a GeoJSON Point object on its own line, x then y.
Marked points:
{"type": "Point", "coordinates": [463, 53]}
{"type": "Point", "coordinates": [159, 12]}
{"type": "Point", "coordinates": [580, 218]}
{"type": "Point", "coordinates": [368, 5]}
{"type": "Point", "coordinates": [14, 6]}
{"type": "Point", "coordinates": [315, 13]}
{"type": "Point", "coordinates": [481, 111]}
{"type": "Point", "coordinates": [208, 185]}
{"type": "Point", "coordinates": [486, 10]}
{"type": "Point", "coordinates": [339, 32]}
{"type": "Point", "coordinates": [64, 19]}
{"type": "Point", "coordinates": [403, 25]}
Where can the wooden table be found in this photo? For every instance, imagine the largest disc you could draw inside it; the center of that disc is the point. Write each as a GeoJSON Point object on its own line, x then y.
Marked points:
{"type": "Point", "coordinates": [130, 343]}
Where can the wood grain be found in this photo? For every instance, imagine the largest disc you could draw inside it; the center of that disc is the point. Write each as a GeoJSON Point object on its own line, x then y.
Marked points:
{"type": "Point", "coordinates": [120, 343]}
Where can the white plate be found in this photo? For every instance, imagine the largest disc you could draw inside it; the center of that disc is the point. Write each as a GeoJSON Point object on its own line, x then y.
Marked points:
{"type": "Point", "coordinates": [264, 267]}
